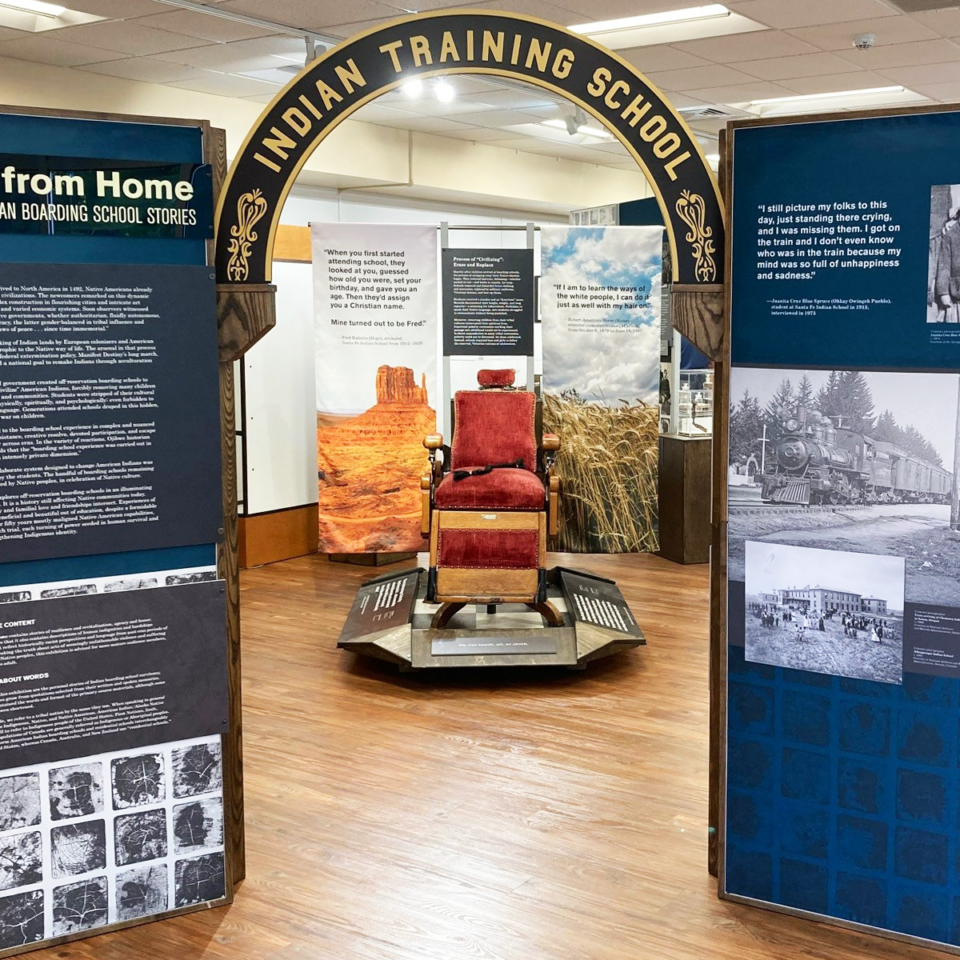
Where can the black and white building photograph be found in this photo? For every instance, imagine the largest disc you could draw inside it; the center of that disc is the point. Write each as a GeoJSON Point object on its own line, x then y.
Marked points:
{"type": "Point", "coordinates": [835, 458]}
{"type": "Point", "coordinates": [825, 611]}
{"type": "Point", "coordinates": [943, 264]}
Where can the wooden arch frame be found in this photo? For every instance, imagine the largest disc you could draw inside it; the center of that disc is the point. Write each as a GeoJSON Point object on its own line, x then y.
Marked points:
{"type": "Point", "coordinates": [491, 43]}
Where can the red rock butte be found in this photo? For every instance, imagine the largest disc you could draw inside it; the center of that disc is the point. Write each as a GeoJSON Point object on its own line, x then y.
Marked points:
{"type": "Point", "coordinates": [396, 385]}
{"type": "Point", "coordinates": [369, 469]}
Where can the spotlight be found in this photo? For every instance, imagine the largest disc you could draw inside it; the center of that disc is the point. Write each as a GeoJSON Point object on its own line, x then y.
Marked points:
{"type": "Point", "coordinates": [412, 88]}
{"type": "Point", "coordinates": [444, 91]}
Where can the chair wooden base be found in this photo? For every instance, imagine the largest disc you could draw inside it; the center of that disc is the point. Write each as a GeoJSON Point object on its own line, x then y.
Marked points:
{"type": "Point", "coordinates": [449, 610]}
{"type": "Point", "coordinates": [445, 614]}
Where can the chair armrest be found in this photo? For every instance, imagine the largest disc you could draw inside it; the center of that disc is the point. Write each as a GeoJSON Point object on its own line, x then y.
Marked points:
{"type": "Point", "coordinates": [433, 441]}
{"type": "Point", "coordinates": [551, 442]}
{"type": "Point", "coordinates": [553, 505]}
{"type": "Point", "coordinates": [426, 503]}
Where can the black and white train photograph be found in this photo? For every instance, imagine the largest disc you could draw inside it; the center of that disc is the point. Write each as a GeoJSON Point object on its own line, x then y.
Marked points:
{"type": "Point", "coordinates": [848, 459]}
{"type": "Point", "coordinates": [825, 611]}
{"type": "Point", "coordinates": [943, 263]}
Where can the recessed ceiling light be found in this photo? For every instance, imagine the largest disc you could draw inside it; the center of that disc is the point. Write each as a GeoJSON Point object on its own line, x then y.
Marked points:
{"type": "Point", "coordinates": [35, 6]}
{"type": "Point", "coordinates": [412, 88]}
{"type": "Point", "coordinates": [444, 91]}
{"type": "Point", "coordinates": [711, 11]}
{"type": "Point", "coordinates": [583, 129]}
{"type": "Point", "coordinates": [831, 100]}
{"type": "Point", "coordinates": [834, 94]}
{"type": "Point", "coordinates": [713, 158]}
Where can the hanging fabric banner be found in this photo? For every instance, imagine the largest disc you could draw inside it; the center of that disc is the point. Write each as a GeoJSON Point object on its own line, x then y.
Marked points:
{"type": "Point", "coordinates": [375, 304]}
{"type": "Point", "coordinates": [600, 309]}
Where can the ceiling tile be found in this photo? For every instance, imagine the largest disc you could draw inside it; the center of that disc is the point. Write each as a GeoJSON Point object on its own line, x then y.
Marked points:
{"type": "Point", "coordinates": [438, 125]}
{"type": "Point", "coordinates": [430, 107]}
{"type": "Point", "coordinates": [8, 33]}
{"type": "Point", "coordinates": [903, 54]}
{"type": "Point", "coordinates": [887, 30]}
{"type": "Point", "coordinates": [126, 36]}
{"type": "Point", "coordinates": [806, 65]}
{"type": "Point", "coordinates": [928, 73]}
{"type": "Point", "coordinates": [516, 99]}
{"type": "Point", "coordinates": [144, 69]}
{"type": "Point", "coordinates": [376, 112]}
{"type": "Point", "coordinates": [740, 92]}
{"type": "Point", "coordinates": [784, 14]}
{"type": "Point", "coordinates": [941, 92]}
{"type": "Point", "coordinates": [591, 11]}
{"type": "Point", "coordinates": [203, 26]}
{"type": "Point", "coordinates": [239, 56]}
{"type": "Point", "coordinates": [43, 49]}
{"type": "Point", "coordinates": [945, 22]}
{"type": "Point", "coordinates": [226, 85]}
{"type": "Point", "coordinates": [664, 57]}
{"type": "Point", "coordinates": [259, 98]}
{"type": "Point", "coordinates": [316, 15]}
{"type": "Point", "coordinates": [738, 47]}
{"type": "Point", "coordinates": [686, 100]}
{"type": "Point", "coordinates": [698, 77]}
{"type": "Point", "coordinates": [834, 83]}
{"type": "Point", "coordinates": [483, 134]}
{"type": "Point", "coordinates": [118, 9]}
{"type": "Point", "coordinates": [502, 118]}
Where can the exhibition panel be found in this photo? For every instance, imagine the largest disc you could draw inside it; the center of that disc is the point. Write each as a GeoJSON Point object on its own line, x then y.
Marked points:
{"type": "Point", "coordinates": [841, 794]}
{"type": "Point", "coordinates": [114, 633]}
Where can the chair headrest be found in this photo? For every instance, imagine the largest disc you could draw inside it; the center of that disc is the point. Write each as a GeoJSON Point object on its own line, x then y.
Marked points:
{"type": "Point", "coordinates": [492, 379]}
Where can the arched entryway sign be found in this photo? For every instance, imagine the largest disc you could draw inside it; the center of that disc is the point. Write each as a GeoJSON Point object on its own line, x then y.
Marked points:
{"type": "Point", "coordinates": [353, 73]}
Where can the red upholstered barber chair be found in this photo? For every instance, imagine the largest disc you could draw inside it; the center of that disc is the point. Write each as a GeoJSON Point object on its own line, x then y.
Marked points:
{"type": "Point", "coordinates": [488, 512]}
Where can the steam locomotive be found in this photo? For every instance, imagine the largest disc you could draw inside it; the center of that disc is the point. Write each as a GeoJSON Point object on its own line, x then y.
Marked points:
{"type": "Point", "coordinates": [816, 462]}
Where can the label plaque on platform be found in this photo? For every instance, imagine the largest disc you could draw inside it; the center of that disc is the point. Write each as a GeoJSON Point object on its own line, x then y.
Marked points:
{"type": "Point", "coordinates": [381, 605]}
{"type": "Point", "coordinates": [497, 646]}
{"type": "Point", "coordinates": [598, 602]}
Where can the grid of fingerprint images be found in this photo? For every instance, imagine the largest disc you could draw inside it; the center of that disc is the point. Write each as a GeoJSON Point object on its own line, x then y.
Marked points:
{"type": "Point", "coordinates": [86, 843]}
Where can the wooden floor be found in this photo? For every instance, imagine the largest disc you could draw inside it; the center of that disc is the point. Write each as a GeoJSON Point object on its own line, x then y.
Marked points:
{"type": "Point", "coordinates": [485, 815]}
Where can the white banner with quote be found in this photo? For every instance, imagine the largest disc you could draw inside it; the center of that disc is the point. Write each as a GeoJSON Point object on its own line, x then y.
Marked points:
{"type": "Point", "coordinates": [375, 304]}
{"type": "Point", "coordinates": [600, 310]}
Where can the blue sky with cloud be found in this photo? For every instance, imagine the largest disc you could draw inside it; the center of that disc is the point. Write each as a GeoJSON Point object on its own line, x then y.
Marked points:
{"type": "Point", "coordinates": [618, 356]}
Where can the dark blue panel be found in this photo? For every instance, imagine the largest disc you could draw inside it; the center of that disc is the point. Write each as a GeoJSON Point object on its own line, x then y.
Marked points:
{"type": "Point", "coordinates": [165, 143]}
{"type": "Point", "coordinates": [824, 163]}
{"type": "Point", "coordinates": [749, 765]}
{"type": "Point", "coordinates": [920, 855]}
{"type": "Point", "coordinates": [922, 797]}
{"type": "Point", "coordinates": [753, 707]}
{"type": "Point", "coordinates": [804, 885]}
{"type": "Point", "coordinates": [804, 830]}
{"type": "Point", "coordinates": [806, 718]}
{"type": "Point", "coordinates": [106, 565]}
{"type": "Point", "coordinates": [56, 136]}
{"type": "Point", "coordinates": [861, 843]}
{"type": "Point", "coordinates": [805, 776]}
{"type": "Point", "coordinates": [921, 912]}
{"type": "Point", "coordinates": [864, 728]}
{"type": "Point", "coordinates": [925, 736]}
{"type": "Point", "coordinates": [750, 819]}
{"type": "Point", "coordinates": [65, 137]}
{"type": "Point", "coordinates": [862, 785]}
{"type": "Point", "coordinates": [749, 874]}
{"type": "Point", "coordinates": [861, 899]}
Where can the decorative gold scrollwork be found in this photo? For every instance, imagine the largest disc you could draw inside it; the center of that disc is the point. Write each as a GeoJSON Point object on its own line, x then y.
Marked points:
{"type": "Point", "coordinates": [692, 210]}
{"type": "Point", "coordinates": [250, 210]}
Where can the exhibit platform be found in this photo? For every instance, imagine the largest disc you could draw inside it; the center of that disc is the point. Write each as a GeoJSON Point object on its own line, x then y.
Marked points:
{"type": "Point", "coordinates": [391, 620]}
